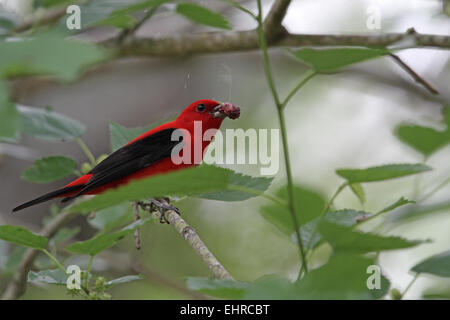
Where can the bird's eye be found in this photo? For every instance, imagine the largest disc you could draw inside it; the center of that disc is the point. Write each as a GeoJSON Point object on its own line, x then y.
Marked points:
{"type": "Point", "coordinates": [201, 108]}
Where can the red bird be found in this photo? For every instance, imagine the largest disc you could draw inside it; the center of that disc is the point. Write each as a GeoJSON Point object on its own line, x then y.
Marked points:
{"type": "Point", "coordinates": [148, 154]}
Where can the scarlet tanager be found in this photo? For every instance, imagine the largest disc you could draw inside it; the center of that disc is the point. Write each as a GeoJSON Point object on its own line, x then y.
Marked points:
{"type": "Point", "coordinates": [148, 154]}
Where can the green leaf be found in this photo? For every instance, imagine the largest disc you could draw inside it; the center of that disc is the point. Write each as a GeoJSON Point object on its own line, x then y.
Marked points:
{"type": "Point", "coordinates": [48, 125]}
{"type": "Point", "coordinates": [345, 217]}
{"type": "Point", "coordinates": [124, 279]}
{"type": "Point", "coordinates": [343, 238]}
{"type": "Point", "coordinates": [330, 60]}
{"type": "Point", "coordinates": [358, 190]}
{"type": "Point", "coordinates": [102, 242]}
{"type": "Point", "coordinates": [400, 202]}
{"type": "Point", "coordinates": [108, 219]}
{"type": "Point", "coordinates": [241, 183]}
{"type": "Point", "coordinates": [202, 15]}
{"type": "Point", "coordinates": [120, 135]}
{"type": "Point", "coordinates": [438, 265]}
{"type": "Point", "coordinates": [9, 117]}
{"type": "Point", "coordinates": [50, 169]}
{"type": "Point", "coordinates": [122, 21]}
{"type": "Point", "coordinates": [185, 182]}
{"type": "Point", "coordinates": [308, 205]}
{"type": "Point", "coordinates": [344, 277]}
{"type": "Point", "coordinates": [48, 54]}
{"type": "Point", "coordinates": [223, 289]}
{"type": "Point", "coordinates": [22, 237]}
{"type": "Point", "coordinates": [55, 276]}
{"type": "Point", "coordinates": [379, 173]}
{"type": "Point", "coordinates": [423, 139]}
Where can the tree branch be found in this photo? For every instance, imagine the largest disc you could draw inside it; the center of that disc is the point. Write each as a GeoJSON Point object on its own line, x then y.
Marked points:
{"type": "Point", "coordinates": [214, 42]}
{"type": "Point", "coordinates": [189, 234]}
{"type": "Point", "coordinates": [273, 22]}
{"type": "Point", "coordinates": [16, 288]}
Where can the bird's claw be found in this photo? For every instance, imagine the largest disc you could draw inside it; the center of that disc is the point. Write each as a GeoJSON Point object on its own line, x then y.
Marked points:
{"type": "Point", "coordinates": [162, 206]}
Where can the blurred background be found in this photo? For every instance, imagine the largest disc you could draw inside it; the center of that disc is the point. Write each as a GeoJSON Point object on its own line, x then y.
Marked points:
{"type": "Point", "coordinates": [340, 120]}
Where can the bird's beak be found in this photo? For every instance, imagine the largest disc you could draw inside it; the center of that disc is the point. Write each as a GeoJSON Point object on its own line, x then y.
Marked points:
{"type": "Point", "coordinates": [226, 109]}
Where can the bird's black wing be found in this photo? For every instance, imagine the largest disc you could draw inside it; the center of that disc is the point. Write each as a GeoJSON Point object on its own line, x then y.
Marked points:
{"type": "Point", "coordinates": [130, 159]}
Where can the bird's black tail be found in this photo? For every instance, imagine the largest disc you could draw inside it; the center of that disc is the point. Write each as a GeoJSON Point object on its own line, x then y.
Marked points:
{"type": "Point", "coordinates": [48, 196]}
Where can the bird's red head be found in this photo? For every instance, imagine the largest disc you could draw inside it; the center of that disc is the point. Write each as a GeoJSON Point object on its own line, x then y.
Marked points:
{"type": "Point", "coordinates": [210, 112]}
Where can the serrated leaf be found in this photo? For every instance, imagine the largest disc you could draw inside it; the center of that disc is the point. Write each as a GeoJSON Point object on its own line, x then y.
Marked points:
{"type": "Point", "coordinates": [344, 277]}
{"type": "Point", "coordinates": [22, 237]}
{"type": "Point", "coordinates": [202, 15]}
{"type": "Point", "coordinates": [358, 191]}
{"type": "Point", "coordinates": [238, 181]}
{"type": "Point", "coordinates": [346, 239]}
{"type": "Point", "coordinates": [120, 135]}
{"type": "Point", "coordinates": [50, 169]}
{"type": "Point", "coordinates": [308, 205]}
{"type": "Point", "coordinates": [185, 182]}
{"type": "Point", "coordinates": [51, 55]}
{"type": "Point", "coordinates": [55, 276]}
{"type": "Point", "coordinates": [124, 279]}
{"type": "Point", "coordinates": [438, 265]}
{"type": "Point", "coordinates": [224, 289]}
{"type": "Point", "coordinates": [345, 217]}
{"type": "Point", "coordinates": [422, 139]}
{"type": "Point", "coordinates": [400, 202]}
{"type": "Point", "coordinates": [48, 125]}
{"type": "Point", "coordinates": [379, 173]}
{"type": "Point", "coordinates": [331, 60]}
{"type": "Point", "coordinates": [102, 242]}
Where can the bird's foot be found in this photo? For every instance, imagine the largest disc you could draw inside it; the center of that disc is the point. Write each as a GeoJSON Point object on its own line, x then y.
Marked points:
{"type": "Point", "coordinates": [163, 205]}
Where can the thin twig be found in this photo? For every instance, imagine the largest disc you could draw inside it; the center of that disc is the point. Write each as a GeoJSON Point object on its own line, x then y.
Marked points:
{"type": "Point", "coordinates": [130, 31]}
{"type": "Point", "coordinates": [414, 74]}
{"type": "Point", "coordinates": [191, 237]}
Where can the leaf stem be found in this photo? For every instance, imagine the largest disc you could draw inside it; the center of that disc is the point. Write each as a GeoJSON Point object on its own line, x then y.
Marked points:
{"type": "Point", "coordinates": [308, 75]}
{"type": "Point", "coordinates": [58, 264]}
{"type": "Point", "coordinates": [86, 151]}
{"type": "Point", "coordinates": [279, 107]}
{"type": "Point", "coordinates": [410, 284]}
{"type": "Point", "coordinates": [324, 212]}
